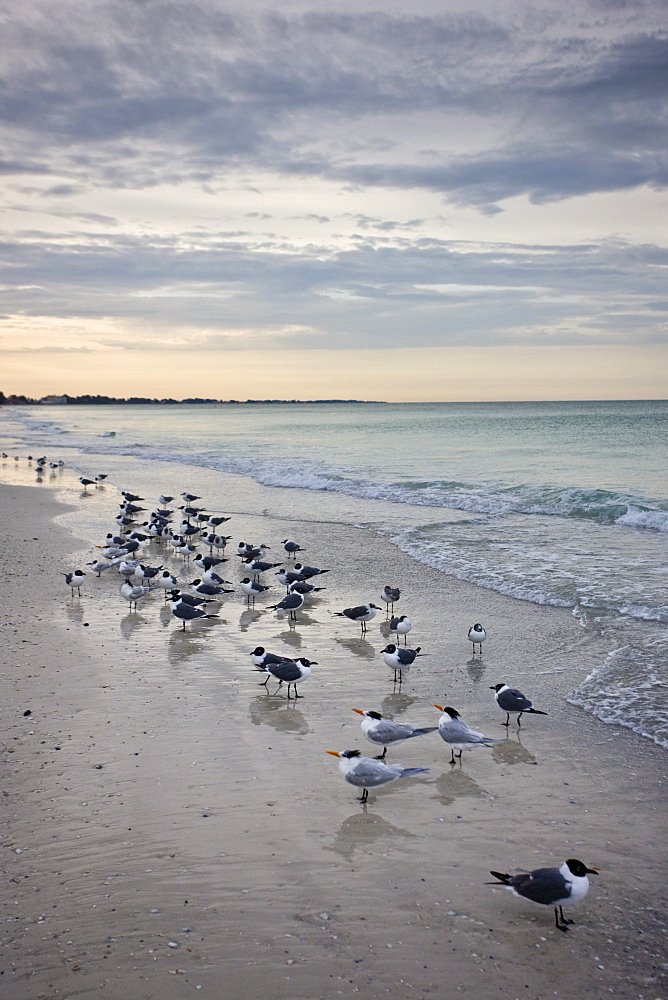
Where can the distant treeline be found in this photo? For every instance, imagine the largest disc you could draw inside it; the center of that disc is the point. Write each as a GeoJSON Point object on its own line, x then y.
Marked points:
{"type": "Point", "coordinates": [87, 400]}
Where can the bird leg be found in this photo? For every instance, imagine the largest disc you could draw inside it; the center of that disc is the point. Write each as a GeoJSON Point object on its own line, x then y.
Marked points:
{"type": "Point", "coordinates": [364, 796]}
{"type": "Point", "coordinates": [560, 927]}
{"type": "Point", "coordinates": [518, 720]}
{"type": "Point", "coordinates": [507, 722]}
{"type": "Point", "coordinates": [563, 918]}
{"type": "Point", "coordinates": [381, 756]}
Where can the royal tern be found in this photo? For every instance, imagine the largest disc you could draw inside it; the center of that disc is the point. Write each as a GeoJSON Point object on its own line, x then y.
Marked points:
{"type": "Point", "coordinates": [386, 732]}
{"type": "Point", "coordinates": [555, 887]}
{"type": "Point", "coordinates": [458, 734]}
{"type": "Point", "coordinates": [366, 773]}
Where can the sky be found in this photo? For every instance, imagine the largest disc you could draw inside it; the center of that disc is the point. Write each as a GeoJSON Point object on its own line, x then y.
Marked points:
{"type": "Point", "coordinates": [311, 199]}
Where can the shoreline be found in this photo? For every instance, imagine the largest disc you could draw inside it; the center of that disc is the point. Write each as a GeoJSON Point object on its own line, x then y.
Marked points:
{"type": "Point", "coordinates": [212, 792]}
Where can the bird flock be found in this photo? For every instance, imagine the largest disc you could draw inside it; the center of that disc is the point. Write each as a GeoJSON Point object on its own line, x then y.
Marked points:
{"type": "Point", "coordinates": [182, 529]}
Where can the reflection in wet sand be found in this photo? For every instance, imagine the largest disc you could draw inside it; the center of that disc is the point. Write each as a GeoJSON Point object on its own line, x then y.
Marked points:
{"type": "Point", "coordinates": [511, 752]}
{"type": "Point", "coordinates": [360, 647]}
{"type": "Point", "coordinates": [131, 622]}
{"type": "Point", "coordinates": [281, 715]}
{"type": "Point", "coordinates": [248, 618]}
{"type": "Point", "coordinates": [182, 646]}
{"type": "Point", "coordinates": [396, 704]}
{"type": "Point", "coordinates": [475, 668]}
{"type": "Point", "coordinates": [457, 784]}
{"type": "Point", "coordinates": [359, 831]}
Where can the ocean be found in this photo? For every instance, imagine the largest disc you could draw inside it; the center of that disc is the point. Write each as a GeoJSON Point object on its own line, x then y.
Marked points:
{"type": "Point", "coordinates": [557, 503]}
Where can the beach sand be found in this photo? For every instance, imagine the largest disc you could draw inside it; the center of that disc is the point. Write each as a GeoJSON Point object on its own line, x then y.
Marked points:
{"type": "Point", "coordinates": [172, 829]}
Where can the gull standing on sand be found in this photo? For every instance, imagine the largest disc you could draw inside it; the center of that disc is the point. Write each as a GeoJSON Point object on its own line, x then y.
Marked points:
{"type": "Point", "coordinates": [208, 589]}
{"type": "Point", "coordinates": [308, 571]}
{"type": "Point", "coordinates": [75, 581]}
{"type": "Point", "coordinates": [390, 595]}
{"type": "Point", "coordinates": [260, 657]}
{"type": "Point", "coordinates": [511, 700]}
{"type": "Point", "coordinates": [458, 734]}
{"type": "Point", "coordinates": [292, 672]}
{"type": "Point", "coordinates": [291, 603]}
{"type": "Point", "coordinates": [477, 635]}
{"type": "Point", "coordinates": [401, 626]}
{"type": "Point", "coordinates": [184, 611]}
{"type": "Point", "coordinates": [362, 614]}
{"type": "Point", "coordinates": [134, 594]}
{"type": "Point", "coordinates": [385, 732]}
{"type": "Point", "coordinates": [291, 547]}
{"type": "Point", "coordinates": [555, 887]}
{"type": "Point", "coordinates": [400, 660]}
{"type": "Point", "coordinates": [252, 589]}
{"type": "Point", "coordinates": [366, 773]}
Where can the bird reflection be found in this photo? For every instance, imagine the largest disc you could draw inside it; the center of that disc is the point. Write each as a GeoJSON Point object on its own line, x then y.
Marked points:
{"type": "Point", "coordinates": [476, 668]}
{"type": "Point", "coordinates": [281, 715]}
{"type": "Point", "coordinates": [130, 622]}
{"type": "Point", "coordinates": [457, 784]}
{"type": "Point", "coordinates": [182, 646]}
{"type": "Point", "coordinates": [74, 610]}
{"type": "Point", "coordinates": [511, 752]}
{"type": "Point", "coordinates": [291, 638]}
{"type": "Point", "coordinates": [360, 647]}
{"type": "Point", "coordinates": [359, 831]}
{"type": "Point", "coordinates": [396, 704]}
{"type": "Point", "coordinates": [248, 618]}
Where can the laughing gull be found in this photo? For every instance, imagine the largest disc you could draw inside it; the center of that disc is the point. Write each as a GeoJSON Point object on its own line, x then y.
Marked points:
{"type": "Point", "coordinates": [366, 773]}
{"type": "Point", "coordinates": [389, 596]}
{"type": "Point", "coordinates": [287, 577]}
{"type": "Point", "coordinates": [291, 603]}
{"type": "Point", "coordinates": [477, 635]}
{"type": "Point", "coordinates": [252, 589]}
{"type": "Point", "coordinates": [86, 482]}
{"type": "Point", "coordinates": [207, 562]}
{"type": "Point", "coordinates": [401, 626]}
{"type": "Point", "coordinates": [458, 734]}
{"type": "Point", "coordinates": [511, 700]}
{"type": "Point", "coordinates": [257, 566]}
{"type": "Point", "coordinates": [292, 672]}
{"type": "Point", "coordinates": [555, 887]}
{"type": "Point", "coordinates": [386, 732]}
{"type": "Point", "coordinates": [189, 497]}
{"type": "Point", "coordinates": [308, 571]}
{"type": "Point", "coordinates": [291, 547]}
{"type": "Point", "coordinates": [400, 660]}
{"type": "Point", "coordinates": [362, 614]}
{"type": "Point", "coordinates": [75, 581]}
{"type": "Point", "coordinates": [184, 611]}
{"type": "Point", "coordinates": [208, 589]}
{"type": "Point", "coordinates": [260, 657]}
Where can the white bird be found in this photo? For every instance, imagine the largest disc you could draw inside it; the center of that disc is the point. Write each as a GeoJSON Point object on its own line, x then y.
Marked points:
{"type": "Point", "coordinates": [366, 773]}
{"type": "Point", "coordinates": [511, 700]}
{"type": "Point", "coordinates": [292, 672]}
{"type": "Point", "coordinates": [477, 635]}
{"type": "Point", "coordinates": [386, 732]}
{"type": "Point", "coordinates": [75, 580]}
{"type": "Point", "coordinates": [400, 660]}
{"type": "Point", "coordinates": [555, 887]}
{"type": "Point", "coordinates": [458, 734]}
{"type": "Point", "coordinates": [401, 626]}
{"type": "Point", "coordinates": [101, 565]}
{"type": "Point", "coordinates": [168, 581]}
{"type": "Point", "coordinates": [260, 656]}
{"type": "Point", "coordinates": [134, 594]}
{"type": "Point", "coordinates": [389, 596]}
{"type": "Point", "coordinates": [252, 589]}
{"type": "Point", "coordinates": [362, 614]}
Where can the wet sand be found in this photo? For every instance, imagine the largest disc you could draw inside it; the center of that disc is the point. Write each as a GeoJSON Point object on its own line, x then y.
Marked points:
{"type": "Point", "coordinates": [171, 829]}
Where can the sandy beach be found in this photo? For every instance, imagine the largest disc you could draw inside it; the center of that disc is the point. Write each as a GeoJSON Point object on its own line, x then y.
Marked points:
{"type": "Point", "coordinates": [172, 829]}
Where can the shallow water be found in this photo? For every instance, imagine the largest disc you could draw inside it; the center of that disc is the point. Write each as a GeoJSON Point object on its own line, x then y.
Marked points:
{"type": "Point", "coordinates": [560, 504]}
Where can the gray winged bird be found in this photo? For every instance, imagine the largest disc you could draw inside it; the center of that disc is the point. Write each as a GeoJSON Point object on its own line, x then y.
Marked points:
{"type": "Point", "coordinates": [555, 887]}
{"type": "Point", "coordinates": [458, 734]}
{"type": "Point", "coordinates": [385, 732]}
{"type": "Point", "coordinates": [511, 700]}
{"type": "Point", "coordinates": [366, 773]}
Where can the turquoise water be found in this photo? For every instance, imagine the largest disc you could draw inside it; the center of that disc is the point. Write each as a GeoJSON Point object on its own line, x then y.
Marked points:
{"type": "Point", "coordinates": [557, 503]}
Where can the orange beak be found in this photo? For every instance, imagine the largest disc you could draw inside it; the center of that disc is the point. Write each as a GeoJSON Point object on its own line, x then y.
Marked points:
{"type": "Point", "coordinates": [439, 708]}
{"type": "Point", "coordinates": [334, 753]}
{"type": "Point", "coordinates": [358, 710]}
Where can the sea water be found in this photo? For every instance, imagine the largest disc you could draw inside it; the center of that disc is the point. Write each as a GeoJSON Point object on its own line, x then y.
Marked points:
{"type": "Point", "coordinates": [558, 503]}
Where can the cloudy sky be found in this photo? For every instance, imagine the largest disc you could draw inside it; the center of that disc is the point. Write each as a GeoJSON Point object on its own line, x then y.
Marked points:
{"type": "Point", "coordinates": [463, 199]}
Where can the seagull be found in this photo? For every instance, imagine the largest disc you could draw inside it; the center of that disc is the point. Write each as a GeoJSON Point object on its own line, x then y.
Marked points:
{"type": "Point", "coordinates": [256, 566]}
{"type": "Point", "coordinates": [293, 672]}
{"type": "Point", "coordinates": [184, 611]}
{"type": "Point", "coordinates": [362, 614]}
{"type": "Point", "coordinates": [165, 500]}
{"type": "Point", "coordinates": [401, 626]}
{"type": "Point", "coordinates": [389, 596]}
{"type": "Point", "coordinates": [291, 547]}
{"type": "Point", "coordinates": [86, 482]}
{"type": "Point", "coordinates": [130, 497]}
{"type": "Point", "coordinates": [287, 577]}
{"type": "Point", "coordinates": [366, 773]}
{"type": "Point", "coordinates": [555, 887]}
{"type": "Point", "coordinates": [302, 587]}
{"type": "Point", "coordinates": [207, 562]}
{"type": "Point", "coordinates": [458, 734]}
{"type": "Point", "coordinates": [100, 565]}
{"type": "Point", "coordinates": [308, 571]}
{"type": "Point", "coordinates": [210, 576]}
{"type": "Point", "coordinates": [146, 572]}
{"type": "Point", "coordinates": [386, 733]}
{"type": "Point", "coordinates": [215, 522]}
{"type": "Point", "coordinates": [400, 660]}
{"type": "Point", "coordinates": [260, 656]}
{"type": "Point", "coordinates": [189, 497]}
{"type": "Point", "coordinates": [252, 589]}
{"type": "Point", "coordinates": [168, 582]}
{"type": "Point", "coordinates": [511, 700]}
{"type": "Point", "coordinates": [134, 594]}
{"type": "Point", "coordinates": [477, 635]}
{"type": "Point", "coordinates": [75, 581]}
{"type": "Point", "coordinates": [127, 567]}
{"type": "Point", "coordinates": [291, 603]}
{"type": "Point", "coordinates": [208, 589]}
